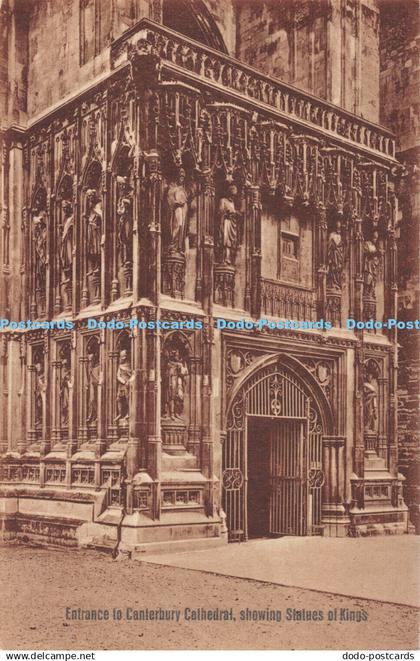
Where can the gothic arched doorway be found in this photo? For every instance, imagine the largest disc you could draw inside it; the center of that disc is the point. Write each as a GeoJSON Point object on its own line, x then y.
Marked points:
{"type": "Point", "coordinates": [272, 454]}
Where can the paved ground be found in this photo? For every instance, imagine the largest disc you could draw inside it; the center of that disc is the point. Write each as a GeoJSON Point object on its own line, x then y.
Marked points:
{"type": "Point", "coordinates": [38, 585]}
{"type": "Point", "coordinates": [383, 568]}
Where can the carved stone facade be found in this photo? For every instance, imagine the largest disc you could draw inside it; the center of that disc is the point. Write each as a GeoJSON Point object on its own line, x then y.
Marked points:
{"type": "Point", "coordinates": [182, 187]}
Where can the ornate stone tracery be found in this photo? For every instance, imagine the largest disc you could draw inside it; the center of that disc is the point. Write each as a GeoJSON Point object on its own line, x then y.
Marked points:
{"type": "Point", "coordinates": [157, 186]}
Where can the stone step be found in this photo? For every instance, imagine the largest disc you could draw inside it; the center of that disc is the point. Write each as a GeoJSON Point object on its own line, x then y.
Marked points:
{"type": "Point", "coordinates": [141, 551]}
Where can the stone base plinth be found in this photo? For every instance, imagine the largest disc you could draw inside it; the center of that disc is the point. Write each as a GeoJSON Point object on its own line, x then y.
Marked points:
{"type": "Point", "coordinates": [173, 275]}
{"type": "Point", "coordinates": [174, 436]}
{"type": "Point", "coordinates": [224, 285]}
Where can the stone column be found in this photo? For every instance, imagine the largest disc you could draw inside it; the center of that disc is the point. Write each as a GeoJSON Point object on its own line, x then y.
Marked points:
{"type": "Point", "coordinates": [393, 336]}
{"type": "Point", "coordinates": [135, 417]}
{"type": "Point", "coordinates": [357, 260]}
{"type": "Point", "coordinates": [12, 394]}
{"type": "Point", "coordinates": [4, 373]}
{"type": "Point", "coordinates": [205, 233]}
{"type": "Point", "coordinates": [137, 273]}
{"type": "Point", "coordinates": [73, 396]}
{"type": "Point", "coordinates": [106, 244]}
{"type": "Point", "coordinates": [206, 225]}
{"type": "Point", "coordinates": [253, 205]}
{"type": "Point", "coordinates": [22, 396]}
{"type": "Point", "coordinates": [154, 440]}
{"type": "Point", "coordinates": [100, 444]}
{"type": "Point", "coordinates": [111, 393]}
{"type": "Point", "coordinates": [82, 408]}
{"type": "Point", "coordinates": [46, 401]}
{"type": "Point", "coordinates": [333, 510]}
{"type": "Point", "coordinates": [152, 206]}
{"type": "Point", "coordinates": [321, 250]}
{"type": "Point", "coordinates": [55, 401]}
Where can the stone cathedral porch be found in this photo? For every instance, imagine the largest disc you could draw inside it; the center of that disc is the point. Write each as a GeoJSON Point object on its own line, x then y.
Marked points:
{"type": "Point", "coordinates": [185, 186]}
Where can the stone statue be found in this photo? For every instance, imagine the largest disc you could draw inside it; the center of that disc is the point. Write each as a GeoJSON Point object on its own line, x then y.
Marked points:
{"type": "Point", "coordinates": [335, 258]}
{"type": "Point", "coordinates": [177, 198]}
{"type": "Point", "coordinates": [125, 225]}
{"type": "Point", "coordinates": [94, 230]}
{"type": "Point", "coordinates": [174, 384]}
{"type": "Point", "coordinates": [39, 222]}
{"type": "Point", "coordinates": [40, 387]}
{"type": "Point", "coordinates": [370, 399]}
{"type": "Point", "coordinates": [65, 383]}
{"type": "Point", "coordinates": [229, 218]}
{"type": "Point", "coordinates": [93, 374]}
{"type": "Point", "coordinates": [66, 246]}
{"type": "Point", "coordinates": [370, 265]}
{"type": "Point", "coordinates": [124, 374]}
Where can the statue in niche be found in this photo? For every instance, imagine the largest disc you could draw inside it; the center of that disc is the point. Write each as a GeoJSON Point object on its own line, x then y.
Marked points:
{"type": "Point", "coordinates": [174, 385]}
{"type": "Point", "coordinates": [370, 265]}
{"type": "Point", "coordinates": [40, 387]}
{"type": "Point", "coordinates": [177, 199]}
{"type": "Point", "coordinates": [335, 258]}
{"type": "Point", "coordinates": [229, 226]}
{"type": "Point", "coordinates": [124, 374]}
{"type": "Point", "coordinates": [370, 399]}
{"type": "Point", "coordinates": [65, 383]}
{"type": "Point", "coordinates": [39, 222]}
{"type": "Point", "coordinates": [93, 376]}
{"type": "Point", "coordinates": [94, 230]}
{"type": "Point", "coordinates": [125, 222]}
{"type": "Point", "coordinates": [66, 244]}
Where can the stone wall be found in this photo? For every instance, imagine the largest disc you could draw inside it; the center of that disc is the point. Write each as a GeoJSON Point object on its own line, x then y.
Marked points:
{"type": "Point", "coordinates": [57, 66]}
{"type": "Point", "coordinates": [316, 46]}
{"type": "Point", "coordinates": [399, 105]}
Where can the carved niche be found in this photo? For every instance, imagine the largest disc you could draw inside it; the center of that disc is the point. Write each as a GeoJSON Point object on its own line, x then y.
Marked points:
{"type": "Point", "coordinates": [227, 241]}
{"type": "Point", "coordinates": [38, 388]}
{"type": "Point", "coordinates": [176, 224]}
{"type": "Point", "coordinates": [92, 378]}
{"type": "Point", "coordinates": [372, 253]}
{"type": "Point", "coordinates": [123, 189]}
{"type": "Point", "coordinates": [335, 269]}
{"type": "Point", "coordinates": [65, 243]}
{"type": "Point", "coordinates": [39, 233]}
{"type": "Point", "coordinates": [371, 399]}
{"type": "Point", "coordinates": [92, 230]}
{"type": "Point", "coordinates": [64, 388]}
{"type": "Point", "coordinates": [175, 393]}
{"type": "Point", "coordinates": [122, 385]}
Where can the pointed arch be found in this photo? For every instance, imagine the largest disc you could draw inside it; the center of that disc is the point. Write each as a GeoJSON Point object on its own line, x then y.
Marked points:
{"type": "Point", "coordinates": [280, 393]}
{"type": "Point", "coordinates": [308, 383]}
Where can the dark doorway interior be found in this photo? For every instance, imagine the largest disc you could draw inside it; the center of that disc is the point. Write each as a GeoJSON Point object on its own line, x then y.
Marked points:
{"type": "Point", "coordinates": [259, 477]}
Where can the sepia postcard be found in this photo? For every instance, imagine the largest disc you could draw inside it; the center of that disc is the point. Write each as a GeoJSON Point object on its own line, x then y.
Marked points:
{"type": "Point", "coordinates": [209, 327]}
